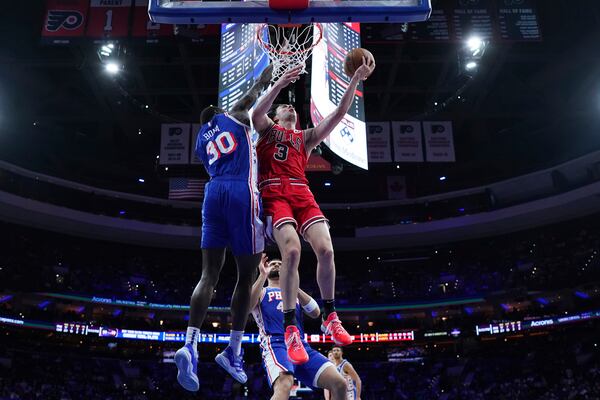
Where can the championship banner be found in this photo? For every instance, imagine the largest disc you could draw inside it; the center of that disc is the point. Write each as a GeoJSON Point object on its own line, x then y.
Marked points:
{"type": "Point", "coordinates": [396, 187]}
{"type": "Point", "coordinates": [109, 19]}
{"type": "Point", "coordinates": [439, 142]}
{"type": "Point", "coordinates": [378, 142]}
{"type": "Point", "coordinates": [144, 28]}
{"type": "Point", "coordinates": [64, 21]}
{"type": "Point", "coordinates": [193, 157]}
{"type": "Point", "coordinates": [175, 144]}
{"type": "Point", "coordinates": [408, 141]}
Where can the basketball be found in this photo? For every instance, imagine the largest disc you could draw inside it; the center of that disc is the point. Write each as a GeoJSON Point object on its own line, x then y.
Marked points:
{"type": "Point", "coordinates": [354, 60]}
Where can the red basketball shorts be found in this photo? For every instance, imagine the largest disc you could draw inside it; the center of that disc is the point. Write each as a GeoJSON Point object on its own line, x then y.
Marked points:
{"type": "Point", "coordinates": [289, 200]}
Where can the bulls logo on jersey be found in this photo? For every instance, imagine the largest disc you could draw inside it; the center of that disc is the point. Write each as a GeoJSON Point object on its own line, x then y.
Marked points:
{"type": "Point", "coordinates": [69, 20]}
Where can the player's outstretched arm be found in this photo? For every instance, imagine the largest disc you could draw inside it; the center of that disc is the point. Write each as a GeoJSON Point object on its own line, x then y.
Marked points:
{"type": "Point", "coordinates": [263, 273]}
{"type": "Point", "coordinates": [260, 120]}
{"type": "Point", "coordinates": [349, 369]}
{"type": "Point", "coordinates": [240, 109]}
{"type": "Point", "coordinates": [309, 305]}
{"type": "Point", "coordinates": [323, 129]}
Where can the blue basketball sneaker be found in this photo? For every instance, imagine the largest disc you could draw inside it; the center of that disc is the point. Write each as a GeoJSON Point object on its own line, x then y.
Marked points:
{"type": "Point", "coordinates": [186, 360]}
{"type": "Point", "coordinates": [232, 364]}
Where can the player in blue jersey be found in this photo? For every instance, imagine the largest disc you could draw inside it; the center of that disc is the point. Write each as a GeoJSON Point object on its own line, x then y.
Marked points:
{"type": "Point", "coordinates": [230, 219]}
{"type": "Point", "coordinates": [347, 371]}
{"type": "Point", "coordinates": [317, 372]}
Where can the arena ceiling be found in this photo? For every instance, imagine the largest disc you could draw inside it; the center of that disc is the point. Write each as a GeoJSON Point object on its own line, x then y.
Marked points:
{"type": "Point", "coordinates": [530, 105]}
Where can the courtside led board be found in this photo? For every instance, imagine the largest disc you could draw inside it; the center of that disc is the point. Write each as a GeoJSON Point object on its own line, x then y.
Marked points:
{"type": "Point", "coordinates": [258, 11]}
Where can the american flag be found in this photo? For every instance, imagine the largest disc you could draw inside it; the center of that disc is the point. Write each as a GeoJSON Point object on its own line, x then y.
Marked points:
{"type": "Point", "coordinates": [184, 188]}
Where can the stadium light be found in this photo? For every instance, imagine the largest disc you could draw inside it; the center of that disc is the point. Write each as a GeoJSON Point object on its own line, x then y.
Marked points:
{"type": "Point", "coordinates": [475, 45]}
{"type": "Point", "coordinates": [327, 184]}
{"type": "Point", "coordinates": [442, 178]}
{"type": "Point", "coordinates": [141, 180]}
{"type": "Point", "coordinates": [112, 68]}
{"type": "Point", "coordinates": [471, 65]}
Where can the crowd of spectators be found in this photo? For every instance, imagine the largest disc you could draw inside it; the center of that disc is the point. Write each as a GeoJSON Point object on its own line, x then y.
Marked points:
{"type": "Point", "coordinates": [557, 257]}
{"type": "Point", "coordinates": [562, 365]}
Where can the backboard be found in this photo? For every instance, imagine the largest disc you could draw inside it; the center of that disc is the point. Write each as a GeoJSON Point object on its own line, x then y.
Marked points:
{"type": "Point", "coordinates": [258, 11]}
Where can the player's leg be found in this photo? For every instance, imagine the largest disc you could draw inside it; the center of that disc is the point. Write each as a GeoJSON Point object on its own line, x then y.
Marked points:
{"type": "Point", "coordinates": [333, 381]}
{"type": "Point", "coordinates": [186, 358]}
{"type": "Point", "coordinates": [278, 367]}
{"type": "Point", "coordinates": [288, 242]}
{"type": "Point", "coordinates": [289, 246]}
{"type": "Point", "coordinates": [317, 235]}
{"type": "Point", "coordinates": [245, 231]}
{"type": "Point", "coordinates": [231, 359]}
{"type": "Point", "coordinates": [283, 386]}
{"type": "Point", "coordinates": [320, 372]}
{"type": "Point", "coordinates": [212, 263]}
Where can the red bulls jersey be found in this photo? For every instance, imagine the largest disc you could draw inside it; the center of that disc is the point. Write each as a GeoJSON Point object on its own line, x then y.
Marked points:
{"type": "Point", "coordinates": [281, 153]}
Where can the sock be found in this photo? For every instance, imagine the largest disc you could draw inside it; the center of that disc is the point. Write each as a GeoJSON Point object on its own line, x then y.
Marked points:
{"type": "Point", "coordinates": [235, 341]}
{"type": "Point", "coordinates": [289, 318]}
{"type": "Point", "coordinates": [191, 336]}
{"type": "Point", "coordinates": [328, 307]}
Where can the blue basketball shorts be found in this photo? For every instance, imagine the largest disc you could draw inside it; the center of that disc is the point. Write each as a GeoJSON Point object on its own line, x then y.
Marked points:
{"type": "Point", "coordinates": [231, 217]}
{"type": "Point", "coordinates": [275, 361]}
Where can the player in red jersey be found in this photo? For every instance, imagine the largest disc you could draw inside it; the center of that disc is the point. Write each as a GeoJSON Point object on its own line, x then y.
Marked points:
{"type": "Point", "coordinates": [290, 207]}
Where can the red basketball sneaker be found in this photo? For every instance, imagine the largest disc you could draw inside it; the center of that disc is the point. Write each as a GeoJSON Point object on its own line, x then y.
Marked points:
{"type": "Point", "coordinates": [333, 326]}
{"type": "Point", "coordinates": [295, 349]}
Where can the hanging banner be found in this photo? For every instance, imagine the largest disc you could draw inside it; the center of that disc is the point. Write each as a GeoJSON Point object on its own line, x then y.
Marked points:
{"type": "Point", "coordinates": [109, 19]}
{"type": "Point", "coordinates": [396, 187]}
{"type": "Point", "coordinates": [193, 157]}
{"type": "Point", "coordinates": [175, 144]}
{"type": "Point", "coordinates": [408, 141]}
{"type": "Point", "coordinates": [439, 142]}
{"type": "Point", "coordinates": [64, 21]}
{"type": "Point", "coordinates": [378, 142]}
{"type": "Point", "coordinates": [144, 28]}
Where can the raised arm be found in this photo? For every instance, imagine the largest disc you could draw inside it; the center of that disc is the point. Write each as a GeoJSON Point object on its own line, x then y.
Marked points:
{"type": "Point", "coordinates": [349, 369]}
{"type": "Point", "coordinates": [263, 273]}
{"type": "Point", "coordinates": [316, 135]}
{"type": "Point", "coordinates": [240, 109]}
{"type": "Point", "coordinates": [260, 120]}
{"type": "Point", "coordinates": [309, 305]}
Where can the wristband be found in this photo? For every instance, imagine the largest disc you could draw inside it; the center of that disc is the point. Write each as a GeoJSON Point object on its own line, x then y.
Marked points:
{"type": "Point", "coordinates": [311, 306]}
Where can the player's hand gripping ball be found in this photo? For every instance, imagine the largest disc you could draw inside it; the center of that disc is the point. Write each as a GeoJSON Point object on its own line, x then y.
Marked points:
{"type": "Point", "coordinates": [355, 58]}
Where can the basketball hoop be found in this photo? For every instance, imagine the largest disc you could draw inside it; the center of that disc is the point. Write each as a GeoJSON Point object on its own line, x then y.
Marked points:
{"type": "Point", "coordinates": [288, 46]}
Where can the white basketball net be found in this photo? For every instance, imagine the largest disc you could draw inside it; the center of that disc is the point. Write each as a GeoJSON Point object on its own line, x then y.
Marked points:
{"type": "Point", "coordinates": [288, 47]}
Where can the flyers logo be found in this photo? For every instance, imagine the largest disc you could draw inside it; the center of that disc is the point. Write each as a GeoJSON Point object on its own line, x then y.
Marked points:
{"type": "Point", "coordinates": [63, 19]}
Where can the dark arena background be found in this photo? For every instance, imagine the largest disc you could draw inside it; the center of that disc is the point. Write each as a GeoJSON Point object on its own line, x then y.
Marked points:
{"type": "Point", "coordinates": [462, 190]}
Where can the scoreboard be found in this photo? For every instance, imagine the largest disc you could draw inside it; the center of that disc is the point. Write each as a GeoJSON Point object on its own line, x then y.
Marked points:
{"type": "Point", "coordinates": [329, 82]}
{"type": "Point", "coordinates": [242, 60]}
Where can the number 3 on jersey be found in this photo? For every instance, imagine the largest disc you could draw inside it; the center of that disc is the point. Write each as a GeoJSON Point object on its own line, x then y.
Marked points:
{"type": "Point", "coordinates": [223, 144]}
{"type": "Point", "coordinates": [282, 152]}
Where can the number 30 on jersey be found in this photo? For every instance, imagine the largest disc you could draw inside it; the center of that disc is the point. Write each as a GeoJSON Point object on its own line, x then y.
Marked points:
{"type": "Point", "coordinates": [223, 144]}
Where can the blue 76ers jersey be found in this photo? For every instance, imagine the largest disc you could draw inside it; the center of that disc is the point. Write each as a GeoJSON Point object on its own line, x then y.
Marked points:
{"type": "Point", "coordinates": [227, 149]}
{"type": "Point", "coordinates": [231, 212]}
{"type": "Point", "coordinates": [268, 313]}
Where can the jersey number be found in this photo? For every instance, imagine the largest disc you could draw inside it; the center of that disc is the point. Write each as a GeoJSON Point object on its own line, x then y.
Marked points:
{"type": "Point", "coordinates": [282, 152]}
{"type": "Point", "coordinates": [223, 144]}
